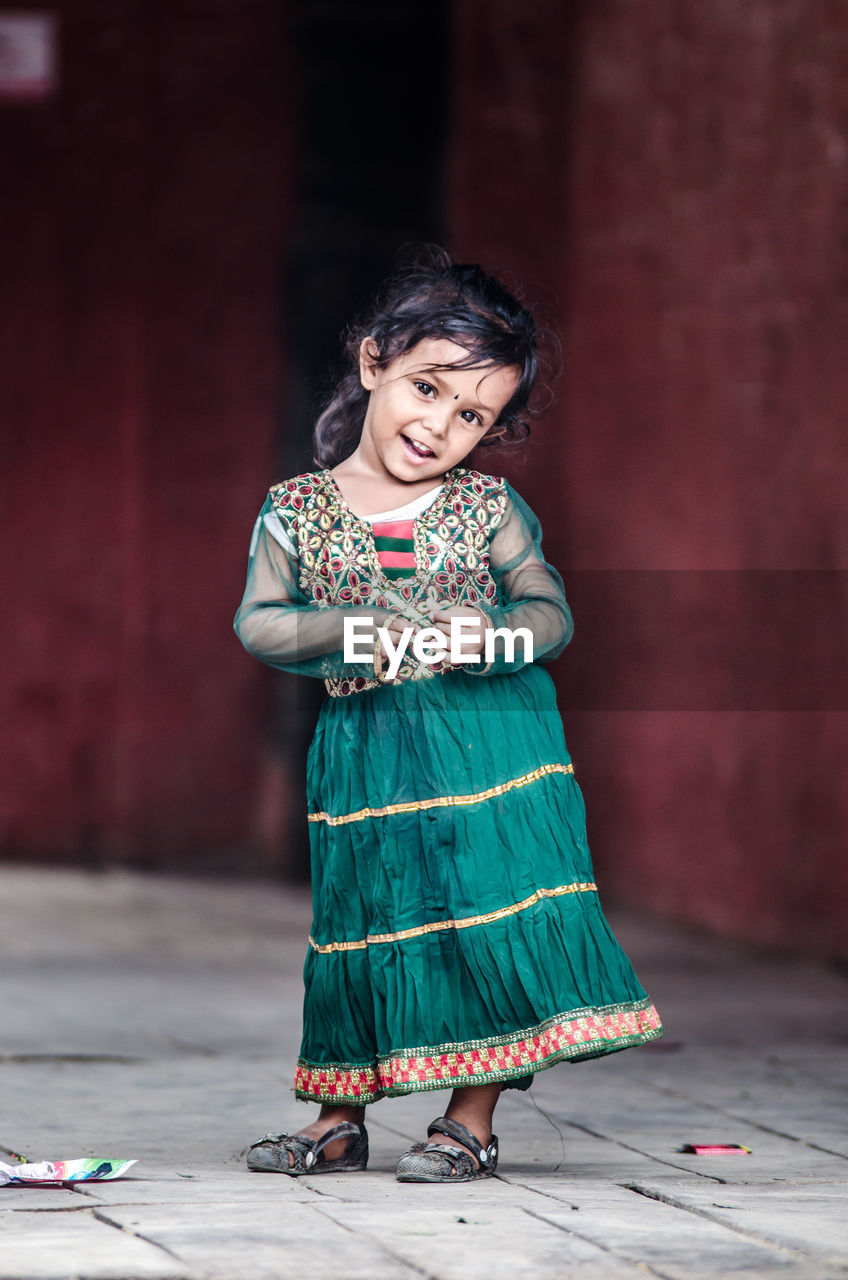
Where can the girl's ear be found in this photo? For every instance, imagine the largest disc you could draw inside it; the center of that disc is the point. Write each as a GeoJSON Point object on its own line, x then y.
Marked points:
{"type": "Point", "coordinates": [368, 352]}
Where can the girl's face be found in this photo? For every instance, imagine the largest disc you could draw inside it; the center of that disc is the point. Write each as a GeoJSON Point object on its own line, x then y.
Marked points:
{"type": "Point", "coordinates": [421, 420]}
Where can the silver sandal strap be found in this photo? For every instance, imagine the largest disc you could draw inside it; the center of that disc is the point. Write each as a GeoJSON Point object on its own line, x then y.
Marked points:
{"type": "Point", "coordinates": [456, 1130]}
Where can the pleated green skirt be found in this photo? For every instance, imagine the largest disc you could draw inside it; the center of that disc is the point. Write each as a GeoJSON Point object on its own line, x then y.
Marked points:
{"type": "Point", "coordinates": [457, 933]}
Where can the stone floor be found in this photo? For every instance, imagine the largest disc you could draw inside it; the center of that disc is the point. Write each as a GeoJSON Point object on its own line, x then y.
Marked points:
{"type": "Point", "coordinates": [158, 1019]}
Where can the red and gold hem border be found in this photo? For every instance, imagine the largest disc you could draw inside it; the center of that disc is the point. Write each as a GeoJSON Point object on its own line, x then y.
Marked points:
{"type": "Point", "coordinates": [584, 1033]}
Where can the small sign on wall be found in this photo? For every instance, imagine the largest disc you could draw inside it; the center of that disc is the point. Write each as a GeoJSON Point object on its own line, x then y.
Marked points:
{"type": "Point", "coordinates": [28, 55]}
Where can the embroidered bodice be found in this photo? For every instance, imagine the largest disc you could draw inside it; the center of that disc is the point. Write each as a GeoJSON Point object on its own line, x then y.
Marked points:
{"type": "Point", "coordinates": [340, 564]}
{"type": "Point", "coordinates": [313, 561]}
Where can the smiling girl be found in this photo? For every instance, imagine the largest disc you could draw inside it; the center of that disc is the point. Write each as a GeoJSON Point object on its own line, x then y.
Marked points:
{"type": "Point", "coordinates": [458, 940]}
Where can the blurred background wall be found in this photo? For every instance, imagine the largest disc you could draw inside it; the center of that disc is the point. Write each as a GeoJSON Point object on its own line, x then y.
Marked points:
{"type": "Point", "coordinates": [191, 215]}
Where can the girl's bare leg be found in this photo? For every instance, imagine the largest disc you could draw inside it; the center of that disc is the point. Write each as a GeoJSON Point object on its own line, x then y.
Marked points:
{"type": "Point", "coordinates": [473, 1105]}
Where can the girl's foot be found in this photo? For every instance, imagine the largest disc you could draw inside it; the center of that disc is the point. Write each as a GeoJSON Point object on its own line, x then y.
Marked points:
{"type": "Point", "coordinates": [328, 1118]}
{"type": "Point", "coordinates": [460, 1158]}
{"type": "Point", "coordinates": [472, 1107]}
{"type": "Point", "coordinates": [334, 1150]}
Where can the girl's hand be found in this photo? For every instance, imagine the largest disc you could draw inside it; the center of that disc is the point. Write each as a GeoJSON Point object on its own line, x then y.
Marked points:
{"type": "Point", "coordinates": [395, 625]}
{"type": "Point", "coordinates": [471, 641]}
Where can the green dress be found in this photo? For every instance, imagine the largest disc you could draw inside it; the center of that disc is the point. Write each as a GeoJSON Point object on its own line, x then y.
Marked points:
{"type": "Point", "coordinates": [457, 932]}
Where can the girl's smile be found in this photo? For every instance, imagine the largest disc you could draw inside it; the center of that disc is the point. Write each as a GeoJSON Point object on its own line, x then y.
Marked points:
{"type": "Point", "coordinates": [418, 452]}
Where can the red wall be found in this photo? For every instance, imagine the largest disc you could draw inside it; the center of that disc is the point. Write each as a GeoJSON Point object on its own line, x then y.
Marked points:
{"type": "Point", "coordinates": [141, 237]}
{"type": "Point", "coordinates": [670, 182]}
{"type": "Point", "coordinates": [677, 177]}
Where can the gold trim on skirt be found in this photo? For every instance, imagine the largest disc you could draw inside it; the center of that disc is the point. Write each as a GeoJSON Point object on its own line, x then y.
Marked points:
{"type": "Point", "coordinates": [465, 923]}
{"type": "Point", "coordinates": [411, 806]}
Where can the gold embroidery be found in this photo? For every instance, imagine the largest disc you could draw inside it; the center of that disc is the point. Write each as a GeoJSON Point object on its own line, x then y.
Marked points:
{"type": "Point", "coordinates": [423, 568]}
{"type": "Point", "coordinates": [339, 563]}
{"type": "Point", "coordinates": [465, 923]}
{"type": "Point", "coordinates": [411, 806]}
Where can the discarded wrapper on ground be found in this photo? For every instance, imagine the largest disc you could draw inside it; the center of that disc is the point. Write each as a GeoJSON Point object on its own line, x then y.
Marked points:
{"type": "Point", "coordinates": [55, 1172]}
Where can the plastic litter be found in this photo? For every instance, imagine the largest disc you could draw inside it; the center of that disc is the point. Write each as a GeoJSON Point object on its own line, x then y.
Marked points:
{"type": "Point", "coordinates": [54, 1173]}
{"type": "Point", "coordinates": [714, 1149]}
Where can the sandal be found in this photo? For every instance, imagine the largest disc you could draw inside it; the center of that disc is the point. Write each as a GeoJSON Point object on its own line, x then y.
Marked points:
{"type": "Point", "coordinates": [437, 1162]}
{"type": "Point", "coordinates": [270, 1154]}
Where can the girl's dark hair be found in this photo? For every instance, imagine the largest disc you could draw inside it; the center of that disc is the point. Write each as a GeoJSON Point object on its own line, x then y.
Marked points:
{"type": "Point", "coordinates": [434, 297]}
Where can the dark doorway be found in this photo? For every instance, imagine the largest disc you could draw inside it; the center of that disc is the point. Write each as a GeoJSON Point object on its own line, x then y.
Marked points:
{"type": "Point", "coordinates": [372, 130]}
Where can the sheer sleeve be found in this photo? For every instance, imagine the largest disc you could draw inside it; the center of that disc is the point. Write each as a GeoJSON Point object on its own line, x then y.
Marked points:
{"type": "Point", "coordinates": [277, 623]}
{"type": "Point", "coordinates": [531, 592]}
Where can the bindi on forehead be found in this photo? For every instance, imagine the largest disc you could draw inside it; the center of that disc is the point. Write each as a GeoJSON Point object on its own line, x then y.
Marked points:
{"type": "Point", "coordinates": [434, 372]}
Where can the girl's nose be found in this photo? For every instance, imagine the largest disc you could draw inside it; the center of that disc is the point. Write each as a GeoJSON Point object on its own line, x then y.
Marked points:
{"type": "Point", "coordinates": [437, 419]}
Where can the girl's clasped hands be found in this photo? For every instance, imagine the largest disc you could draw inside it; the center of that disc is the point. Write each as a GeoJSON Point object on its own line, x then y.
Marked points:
{"type": "Point", "coordinates": [439, 618]}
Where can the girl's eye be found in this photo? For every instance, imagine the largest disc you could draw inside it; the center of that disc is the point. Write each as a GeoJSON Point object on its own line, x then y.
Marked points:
{"type": "Point", "coordinates": [467, 415]}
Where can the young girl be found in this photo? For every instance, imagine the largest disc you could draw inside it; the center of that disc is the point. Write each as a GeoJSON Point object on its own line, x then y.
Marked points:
{"type": "Point", "coordinates": [457, 940]}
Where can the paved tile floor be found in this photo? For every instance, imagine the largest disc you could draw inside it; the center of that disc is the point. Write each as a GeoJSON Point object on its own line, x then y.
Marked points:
{"type": "Point", "coordinates": [158, 1019]}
